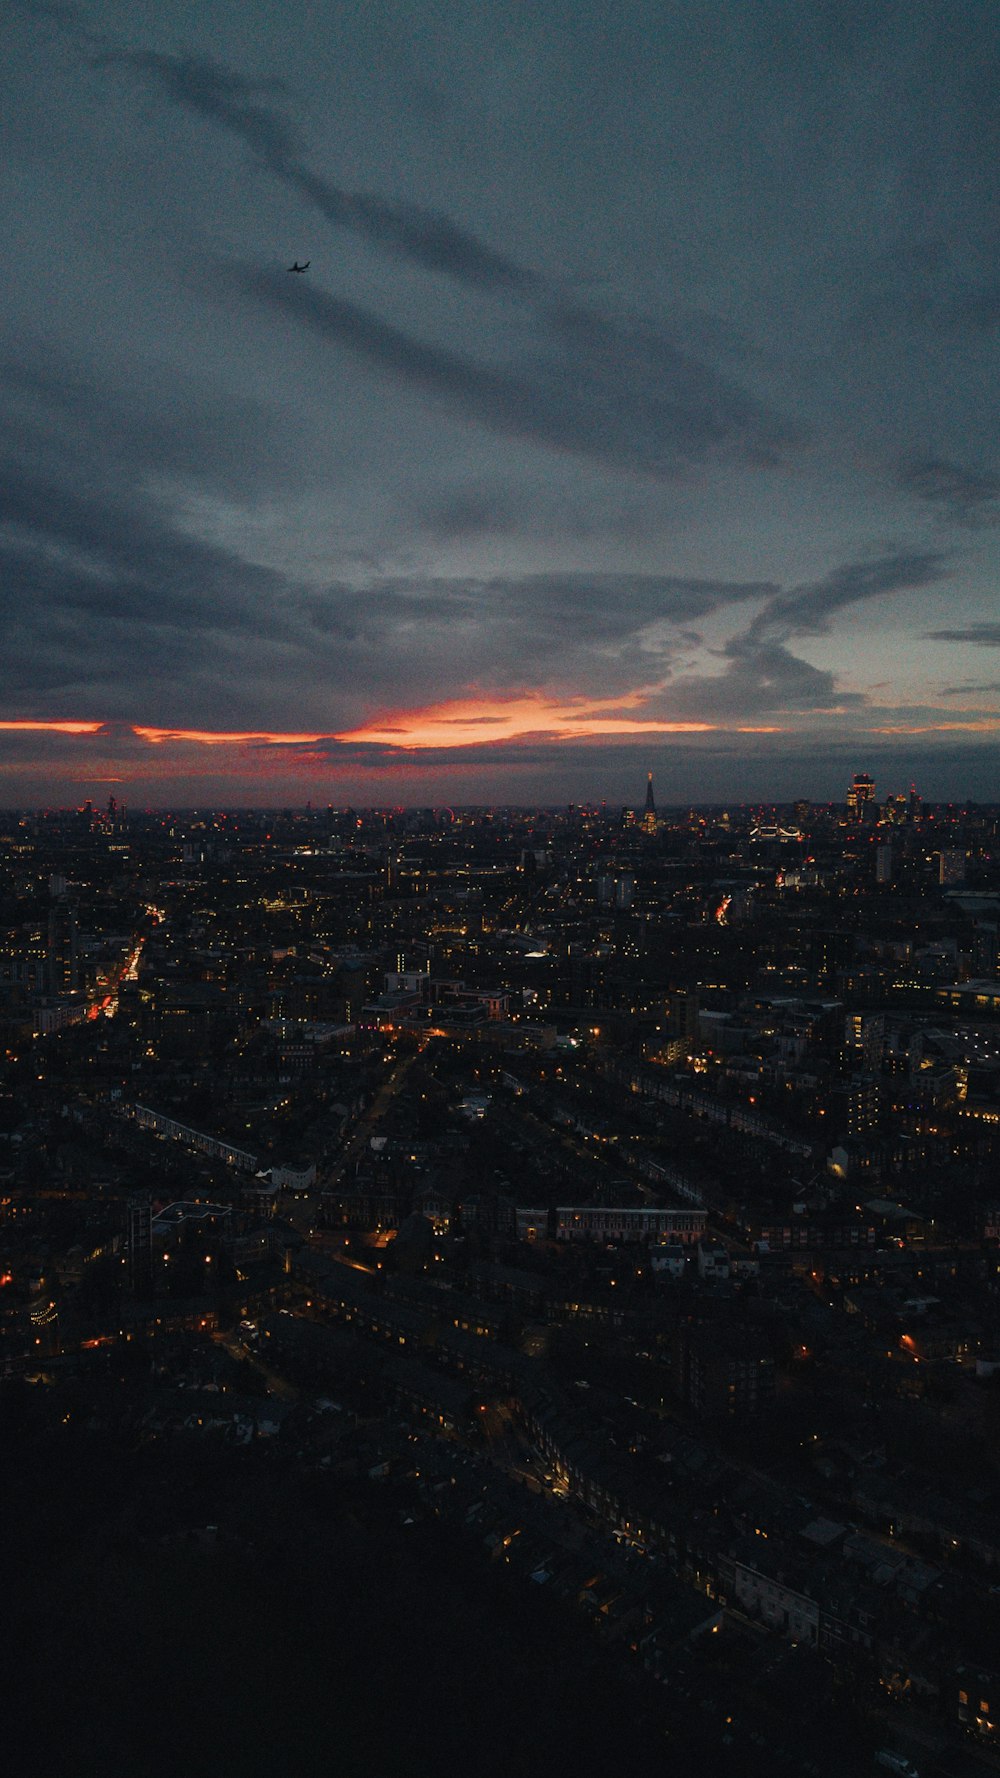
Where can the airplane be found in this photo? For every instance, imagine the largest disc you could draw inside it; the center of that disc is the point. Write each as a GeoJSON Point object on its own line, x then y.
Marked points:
{"type": "Point", "coordinates": [300, 268]}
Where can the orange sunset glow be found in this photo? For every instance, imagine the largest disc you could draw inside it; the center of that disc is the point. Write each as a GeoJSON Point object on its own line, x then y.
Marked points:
{"type": "Point", "coordinates": [55, 728]}
{"type": "Point", "coordinates": [463, 722]}
{"type": "Point", "coordinates": [223, 737]}
{"type": "Point", "coordinates": [983, 726]}
{"type": "Point", "coordinates": [467, 721]}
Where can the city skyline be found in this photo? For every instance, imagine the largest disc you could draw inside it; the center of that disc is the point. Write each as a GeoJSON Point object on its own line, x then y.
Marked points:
{"type": "Point", "coordinates": [634, 410]}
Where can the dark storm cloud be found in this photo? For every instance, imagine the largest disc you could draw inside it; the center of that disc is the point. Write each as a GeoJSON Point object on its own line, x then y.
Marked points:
{"type": "Point", "coordinates": [600, 604]}
{"type": "Point", "coordinates": [206, 88]}
{"type": "Point", "coordinates": [982, 635]}
{"type": "Point", "coordinates": [646, 411]}
{"type": "Point", "coordinates": [937, 270]}
{"type": "Point", "coordinates": [81, 527]}
{"type": "Point", "coordinates": [112, 607]}
{"type": "Point", "coordinates": [963, 496]}
{"type": "Point", "coordinates": [103, 592]}
{"type": "Point", "coordinates": [553, 610]}
{"type": "Point", "coordinates": [622, 391]}
{"type": "Point", "coordinates": [425, 237]}
{"type": "Point", "coordinates": [60, 419]}
{"type": "Point", "coordinates": [108, 601]}
{"type": "Point", "coordinates": [598, 633]}
{"type": "Point", "coordinates": [105, 599]}
{"type": "Point", "coordinates": [81, 554]}
{"type": "Point", "coordinates": [529, 508]}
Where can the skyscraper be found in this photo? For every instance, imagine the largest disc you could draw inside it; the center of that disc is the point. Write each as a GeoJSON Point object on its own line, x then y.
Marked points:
{"type": "Point", "coordinates": [649, 812]}
{"type": "Point", "coordinates": [860, 794]}
{"type": "Point", "coordinates": [62, 966]}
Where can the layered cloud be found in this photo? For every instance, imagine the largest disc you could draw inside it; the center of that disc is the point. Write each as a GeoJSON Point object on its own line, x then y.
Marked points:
{"type": "Point", "coordinates": [619, 389]}
{"type": "Point", "coordinates": [980, 635]}
{"type": "Point", "coordinates": [763, 675]}
{"type": "Point", "coordinates": [596, 432]}
{"type": "Point", "coordinates": [116, 615]}
{"type": "Point", "coordinates": [962, 496]}
{"type": "Point", "coordinates": [425, 237]}
{"type": "Point", "coordinates": [632, 402]}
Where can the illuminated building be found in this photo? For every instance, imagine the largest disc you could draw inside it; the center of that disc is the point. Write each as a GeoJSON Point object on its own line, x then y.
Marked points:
{"type": "Point", "coordinates": [588, 1222]}
{"type": "Point", "coordinates": [62, 950]}
{"type": "Point", "coordinates": [649, 812]}
{"type": "Point", "coordinates": [860, 796]}
{"type": "Point", "coordinates": [951, 866]}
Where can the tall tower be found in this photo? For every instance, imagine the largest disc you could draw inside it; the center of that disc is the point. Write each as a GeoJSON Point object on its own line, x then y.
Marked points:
{"type": "Point", "coordinates": [860, 796]}
{"type": "Point", "coordinates": [62, 966]}
{"type": "Point", "coordinates": [649, 812]}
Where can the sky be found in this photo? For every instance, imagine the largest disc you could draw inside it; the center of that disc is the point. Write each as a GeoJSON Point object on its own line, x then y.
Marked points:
{"type": "Point", "coordinates": [636, 411]}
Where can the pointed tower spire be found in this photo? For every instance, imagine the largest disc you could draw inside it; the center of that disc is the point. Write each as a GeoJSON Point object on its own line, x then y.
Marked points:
{"type": "Point", "coordinates": [649, 813]}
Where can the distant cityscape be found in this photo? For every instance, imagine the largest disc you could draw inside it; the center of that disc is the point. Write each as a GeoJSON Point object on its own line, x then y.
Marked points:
{"type": "Point", "coordinates": [610, 1195]}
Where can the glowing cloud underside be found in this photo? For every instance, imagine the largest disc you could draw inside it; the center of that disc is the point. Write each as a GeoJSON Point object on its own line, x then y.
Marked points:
{"type": "Point", "coordinates": [52, 728]}
{"type": "Point", "coordinates": [986, 726]}
{"type": "Point", "coordinates": [225, 737]}
{"type": "Point", "coordinates": [475, 721]}
{"type": "Point", "coordinates": [456, 724]}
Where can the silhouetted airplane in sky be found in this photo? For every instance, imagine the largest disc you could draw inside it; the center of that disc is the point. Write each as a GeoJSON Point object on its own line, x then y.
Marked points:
{"type": "Point", "coordinates": [300, 268]}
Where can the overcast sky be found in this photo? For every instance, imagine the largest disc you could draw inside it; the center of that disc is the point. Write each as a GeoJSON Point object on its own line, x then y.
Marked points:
{"type": "Point", "coordinates": [637, 410]}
